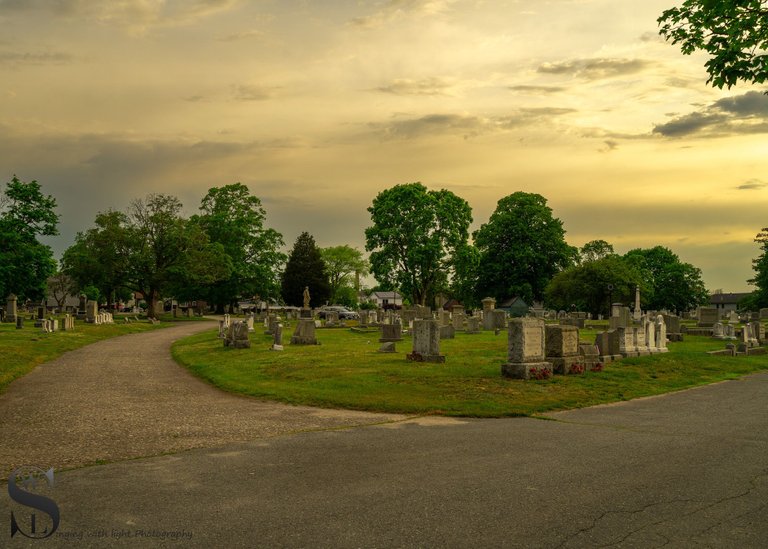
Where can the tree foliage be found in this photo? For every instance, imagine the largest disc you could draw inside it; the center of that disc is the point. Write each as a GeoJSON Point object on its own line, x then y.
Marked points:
{"type": "Point", "coordinates": [759, 297]}
{"type": "Point", "coordinates": [305, 268]}
{"type": "Point", "coordinates": [733, 32]}
{"type": "Point", "coordinates": [592, 285]}
{"type": "Point", "coordinates": [594, 250]}
{"type": "Point", "coordinates": [414, 237]}
{"type": "Point", "coordinates": [235, 219]}
{"type": "Point", "coordinates": [342, 263]}
{"type": "Point", "coordinates": [25, 263]}
{"type": "Point", "coordinates": [521, 248]}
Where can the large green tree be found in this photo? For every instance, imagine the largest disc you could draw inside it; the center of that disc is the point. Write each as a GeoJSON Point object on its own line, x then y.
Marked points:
{"type": "Point", "coordinates": [342, 263]}
{"type": "Point", "coordinates": [100, 256]}
{"type": "Point", "coordinates": [733, 32]}
{"type": "Point", "coordinates": [234, 218]}
{"type": "Point", "coordinates": [759, 297]}
{"type": "Point", "coordinates": [305, 268]}
{"type": "Point", "coordinates": [594, 250]}
{"type": "Point", "coordinates": [25, 263]}
{"type": "Point", "coordinates": [414, 237]}
{"type": "Point", "coordinates": [522, 246]}
{"type": "Point", "coordinates": [668, 282]}
{"type": "Point", "coordinates": [592, 285]}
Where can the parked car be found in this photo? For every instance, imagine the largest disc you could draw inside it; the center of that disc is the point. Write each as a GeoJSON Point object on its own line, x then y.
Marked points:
{"type": "Point", "coordinates": [344, 312]}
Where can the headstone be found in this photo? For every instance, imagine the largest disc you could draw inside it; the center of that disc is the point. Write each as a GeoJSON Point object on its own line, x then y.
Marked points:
{"type": "Point", "coordinates": [562, 347]}
{"type": "Point", "coordinates": [590, 358]}
{"type": "Point", "coordinates": [758, 332]}
{"type": "Point", "coordinates": [91, 312]}
{"type": "Point", "coordinates": [387, 347]}
{"type": "Point", "coordinates": [708, 316]}
{"type": "Point", "coordinates": [249, 323]}
{"type": "Point", "coordinates": [764, 313]}
{"type": "Point", "coordinates": [661, 334]}
{"type": "Point", "coordinates": [447, 332]}
{"type": "Point", "coordinates": [175, 311]}
{"type": "Point", "coordinates": [237, 336]}
{"type": "Point", "coordinates": [222, 329]}
{"type": "Point", "coordinates": [526, 350]}
{"type": "Point", "coordinates": [391, 333]}
{"type": "Point", "coordinates": [650, 334]}
{"type": "Point", "coordinates": [11, 308]}
{"type": "Point", "coordinates": [458, 319]}
{"type": "Point", "coordinates": [674, 327]}
{"type": "Point", "coordinates": [426, 342]}
{"type": "Point", "coordinates": [729, 331]}
{"type": "Point", "coordinates": [362, 318]}
{"type": "Point", "coordinates": [444, 317]}
{"type": "Point", "coordinates": [331, 319]}
{"type": "Point", "coordinates": [473, 325]}
{"type": "Point", "coordinates": [499, 318]}
{"type": "Point", "coordinates": [620, 317]}
{"type": "Point", "coordinates": [269, 323]}
{"type": "Point", "coordinates": [19, 322]}
{"type": "Point", "coordinates": [277, 343]}
{"type": "Point", "coordinates": [639, 341]}
{"type": "Point", "coordinates": [304, 334]}
{"type": "Point", "coordinates": [733, 317]}
{"type": "Point", "coordinates": [626, 335]}
{"type": "Point", "coordinates": [717, 330]}
{"type": "Point", "coordinates": [489, 304]}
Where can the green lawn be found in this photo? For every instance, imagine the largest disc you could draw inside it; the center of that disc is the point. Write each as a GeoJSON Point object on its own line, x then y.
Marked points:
{"type": "Point", "coordinates": [24, 349]}
{"type": "Point", "coordinates": [345, 371]}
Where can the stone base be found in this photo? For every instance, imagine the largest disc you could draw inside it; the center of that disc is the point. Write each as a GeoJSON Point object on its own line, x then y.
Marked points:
{"type": "Point", "coordinates": [418, 357]}
{"type": "Point", "coordinates": [562, 365]}
{"type": "Point", "coordinates": [674, 337]}
{"type": "Point", "coordinates": [301, 340]}
{"type": "Point", "coordinates": [305, 313]}
{"type": "Point", "coordinates": [276, 348]}
{"type": "Point", "coordinates": [526, 370]}
{"type": "Point", "coordinates": [238, 344]}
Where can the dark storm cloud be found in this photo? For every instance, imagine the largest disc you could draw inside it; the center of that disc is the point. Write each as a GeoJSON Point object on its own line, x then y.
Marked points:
{"type": "Point", "coordinates": [751, 185]}
{"type": "Point", "coordinates": [595, 69]}
{"type": "Point", "coordinates": [741, 114]}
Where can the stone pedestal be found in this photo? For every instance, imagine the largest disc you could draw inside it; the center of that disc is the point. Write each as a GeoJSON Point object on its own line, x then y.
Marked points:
{"type": "Point", "coordinates": [305, 313]}
{"type": "Point", "coordinates": [91, 312]}
{"type": "Point", "coordinates": [489, 304]}
{"type": "Point", "coordinates": [426, 342]}
{"type": "Point", "coordinates": [11, 311]}
{"type": "Point", "coordinates": [526, 351]}
{"type": "Point", "coordinates": [277, 344]}
{"type": "Point", "coordinates": [304, 333]}
{"type": "Point", "coordinates": [391, 333]}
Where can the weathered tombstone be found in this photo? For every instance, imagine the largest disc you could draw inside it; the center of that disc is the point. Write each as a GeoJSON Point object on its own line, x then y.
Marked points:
{"type": "Point", "coordinates": [11, 310]}
{"type": "Point", "coordinates": [19, 322]}
{"type": "Point", "coordinates": [620, 317]}
{"type": "Point", "coordinates": [444, 317]}
{"type": "Point", "coordinates": [674, 329]}
{"type": "Point", "coordinates": [237, 336]}
{"type": "Point", "coordinates": [91, 311]}
{"type": "Point", "coordinates": [458, 319]}
{"type": "Point", "coordinates": [362, 316]}
{"type": "Point", "coordinates": [758, 331]}
{"type": "Point", "coordinates": [331, 319]}
{"type": "Point", "coordinates": [763, 313]}
{"type": "Point", "coordinates": [447, 332]}
{"type": "Point", "coordinates": [277, 343]}
{"type": "Point", "coordinates": [499, 319]}
{"type": "Point", "coordinates": [222, 329]}
{"type": "Point", "coordinates": [733, 317]}
{"type": "Point", "coordinates": [489, 304]}
{"type": "Point", "coordinates": [526, 350]}
{"type": "Point", "coordinates": [426, 342]}
{"type": "Point", "coordinates": [269, 323]}
{"type": "Point", "coordinates": [387, 347]}
{"type": "Point", "coordinates": [249, 323]}
{"type": "Point", "coordinates": [562, 348]}
{"type": "Point", "coordinates": [717, 330]}
{"type": "Point", "coordinates": [626, 335]}
{"type": "Point", "coordinates": [473, 325]}
{"type": "Point", "coordinates": [650, 334]}
{"type": "Point", "coordinates": [81, 307]}
{"type": "Point", "coordinates": [304, 334]}
{"type": "Point", "coordinates": [590, 357]}
{"type": "Point", "coordinates": [729, 331]}
{"type": "Point", "coordinates": [391, 332]}
{"type": "Point", "coordinates": [708, 316]}
{"type": "Point", "coordinates": [639, 341]}
{"type": "Point", "coordinates": [661, 334]}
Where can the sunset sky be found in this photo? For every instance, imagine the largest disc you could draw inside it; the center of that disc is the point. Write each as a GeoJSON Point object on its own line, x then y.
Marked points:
{"type": "Point", "coordinates": [319, 105]}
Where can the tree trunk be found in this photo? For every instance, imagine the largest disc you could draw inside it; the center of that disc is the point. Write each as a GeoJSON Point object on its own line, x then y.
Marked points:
{"type": "Point", "coordinates": [151, 300]}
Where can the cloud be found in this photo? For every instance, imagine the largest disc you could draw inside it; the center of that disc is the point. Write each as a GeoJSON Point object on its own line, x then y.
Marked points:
{"type": "Point", "coordinates": [241, 36]}
{"type": "Point", "coordinates": [752, 184]}
{"type": "Point", "coordinates": [426, 86]}
{"type": "Point", "coordinates": [252, 93]}
{"type": "Point", "coordinates": [536, 89]}
{"type": "Point", "coordinates": [18, 59]}
{"type": "Point", "coordinates": [596, 68]}
{"type": "Point", "coordinates": [741, 114]}
{"type": "Point", "coordinates": [397, 9]}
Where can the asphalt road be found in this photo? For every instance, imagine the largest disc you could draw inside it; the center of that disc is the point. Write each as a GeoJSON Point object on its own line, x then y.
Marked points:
{"type": "Point", "coordinates": [688, 469]}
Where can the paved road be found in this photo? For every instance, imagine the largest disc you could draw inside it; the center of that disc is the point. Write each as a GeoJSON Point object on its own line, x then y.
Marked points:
{"type": "Point", "coordinates": [688, 469]}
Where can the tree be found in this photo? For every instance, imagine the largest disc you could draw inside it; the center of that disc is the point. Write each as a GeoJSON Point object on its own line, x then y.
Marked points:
{"type": "Point", "coordinates": [414, 237]}
{"type": "Point", "coordinates": [759, 297]}
{"type": "Point", "coordinates": [594, 250]}
{"type": "Point", "coordinates": [521, 248]}
{"type": "Point", "coordinates": [592, 285]}
{"type": "Point", "coordinates": [60, 285]}
{"type": "Point", "coordinates": [669, 283]}
{"type": "Point", "coordinates": [305, 268]}
{"type": "Point", "coordinates": [25, 263]}
{"type": "Point", "coordinates": [733, 32]}
{"type": "Point", "coordinates": [466, 262]}
{"type": "Point", "coordinates": [234, 218]}
{"type": "Point", "coordinates": [100, 256]}
{"type": "Point", "coordinates": [341, 264]}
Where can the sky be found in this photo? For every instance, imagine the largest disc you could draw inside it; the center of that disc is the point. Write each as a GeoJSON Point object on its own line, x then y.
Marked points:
{"type": "Point", "coordinates": [317, 106]}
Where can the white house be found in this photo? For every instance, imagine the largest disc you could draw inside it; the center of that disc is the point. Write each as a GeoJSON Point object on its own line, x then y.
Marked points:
{"type": "Point", "coordinates": [386, 300]}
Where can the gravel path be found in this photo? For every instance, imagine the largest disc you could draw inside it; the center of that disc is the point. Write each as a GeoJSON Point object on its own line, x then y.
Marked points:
{"type": "Point", "coordinates": [125, 397]}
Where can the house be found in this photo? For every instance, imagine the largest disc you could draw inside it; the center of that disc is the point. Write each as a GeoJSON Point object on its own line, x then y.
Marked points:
{"type": "Point", "coordinates": [386, 300]}
{"type": "Point", "coordinates": [515, 306]}
{"type": "Point", "coordinates": [726, 301]}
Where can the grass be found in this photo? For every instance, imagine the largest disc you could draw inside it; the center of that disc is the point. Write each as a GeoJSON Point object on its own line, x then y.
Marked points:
{"type": "Point", "coordinates": [24, 349]}
{"type": "Point", "coordinates": [345, 371]}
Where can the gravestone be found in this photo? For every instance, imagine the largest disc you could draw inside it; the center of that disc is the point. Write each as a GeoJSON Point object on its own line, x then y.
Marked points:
{"type": "Point", "coordinates": [237, 336]}
{"type": "Point", "coordinates": [81, 307]}
{"type": "Point", "coordinates": [717, 330]}
{"type": "Point", "coordinates": [473, 325]}
{"type": "Point", "coordinates": [249, 322]}
{"type": "Point", "coordinates": [626, 335]}
{"type": "Point", "coordinates": [222, 329]}
{"type": "Point", "coordinates": [499, 317]}
{"type": "Point", "coordinates": [661, 334]}
{"type": "Point", "coordinates": [269, 323]}
{"type": "Point", "coordinates": [620, 317]}
{"type": "Point", "coordinates": [758, 331]}
{"type": "Point", "coordinates": [444, 317]}
{"type": "Point", "coordinates": [763, 313]}
{"type": "Point", "coordinates": [277, 343]}
{"type": "Point", "coordinates": [562, 347]}
{"type": "Point", "coordinates": [708, 316]}
{"type": "Point", "coordinates": [674, 329]}
{"type": "Point", "coordinates": [650, 334]}
{"type": "Point", "coordinates": [391, 332]}
{"type": "Point", "coordinates": [426, 342]}
{"type": "Point", "coordinates": [19, 322]}
{"type": "Point", "coordinates": [11, 310]}
{"type": "Point", "coordinates": [91, 311]}
{"type": "Point", "coordinates": [304, 334]}
{"type": "Point", "coordinates": [331, 319]}
{"type": "Point", "coordinates": [447, 332]}
{"type": "Point", "coordinates": [362, 316]}
{"type": "Point", "coordinates": [387, 347]}
{"type": "Point", "coordinates": [639, 341]}
{"type": "Point", "coordinates": [526, 350]}
{"type": "Point", "coordinates": [729, 331]}
{"type": "Point", "coordinates": [590, 358]}
{"type": "Point", "coordinates": [489, 304]}
{"type": "Point", "coordinates": [458, 319]}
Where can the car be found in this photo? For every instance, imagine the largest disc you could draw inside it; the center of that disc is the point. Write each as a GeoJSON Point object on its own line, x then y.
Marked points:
{"type": "Point", "coordinates": [344, 312]}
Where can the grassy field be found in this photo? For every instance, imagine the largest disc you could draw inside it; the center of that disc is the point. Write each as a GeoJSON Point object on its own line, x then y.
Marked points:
{"type": "Point", "coordinates": [24, 349]}
{"type": "Point", "coordinates": [345, 371]}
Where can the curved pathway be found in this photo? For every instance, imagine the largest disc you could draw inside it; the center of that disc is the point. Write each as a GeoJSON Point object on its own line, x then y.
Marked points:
{"type": "Point", "coordinates": [125, 397]}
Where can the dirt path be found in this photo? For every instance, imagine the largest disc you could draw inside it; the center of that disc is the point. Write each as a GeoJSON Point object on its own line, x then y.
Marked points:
{"type": "Point", "coordinates": [125, 397]}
